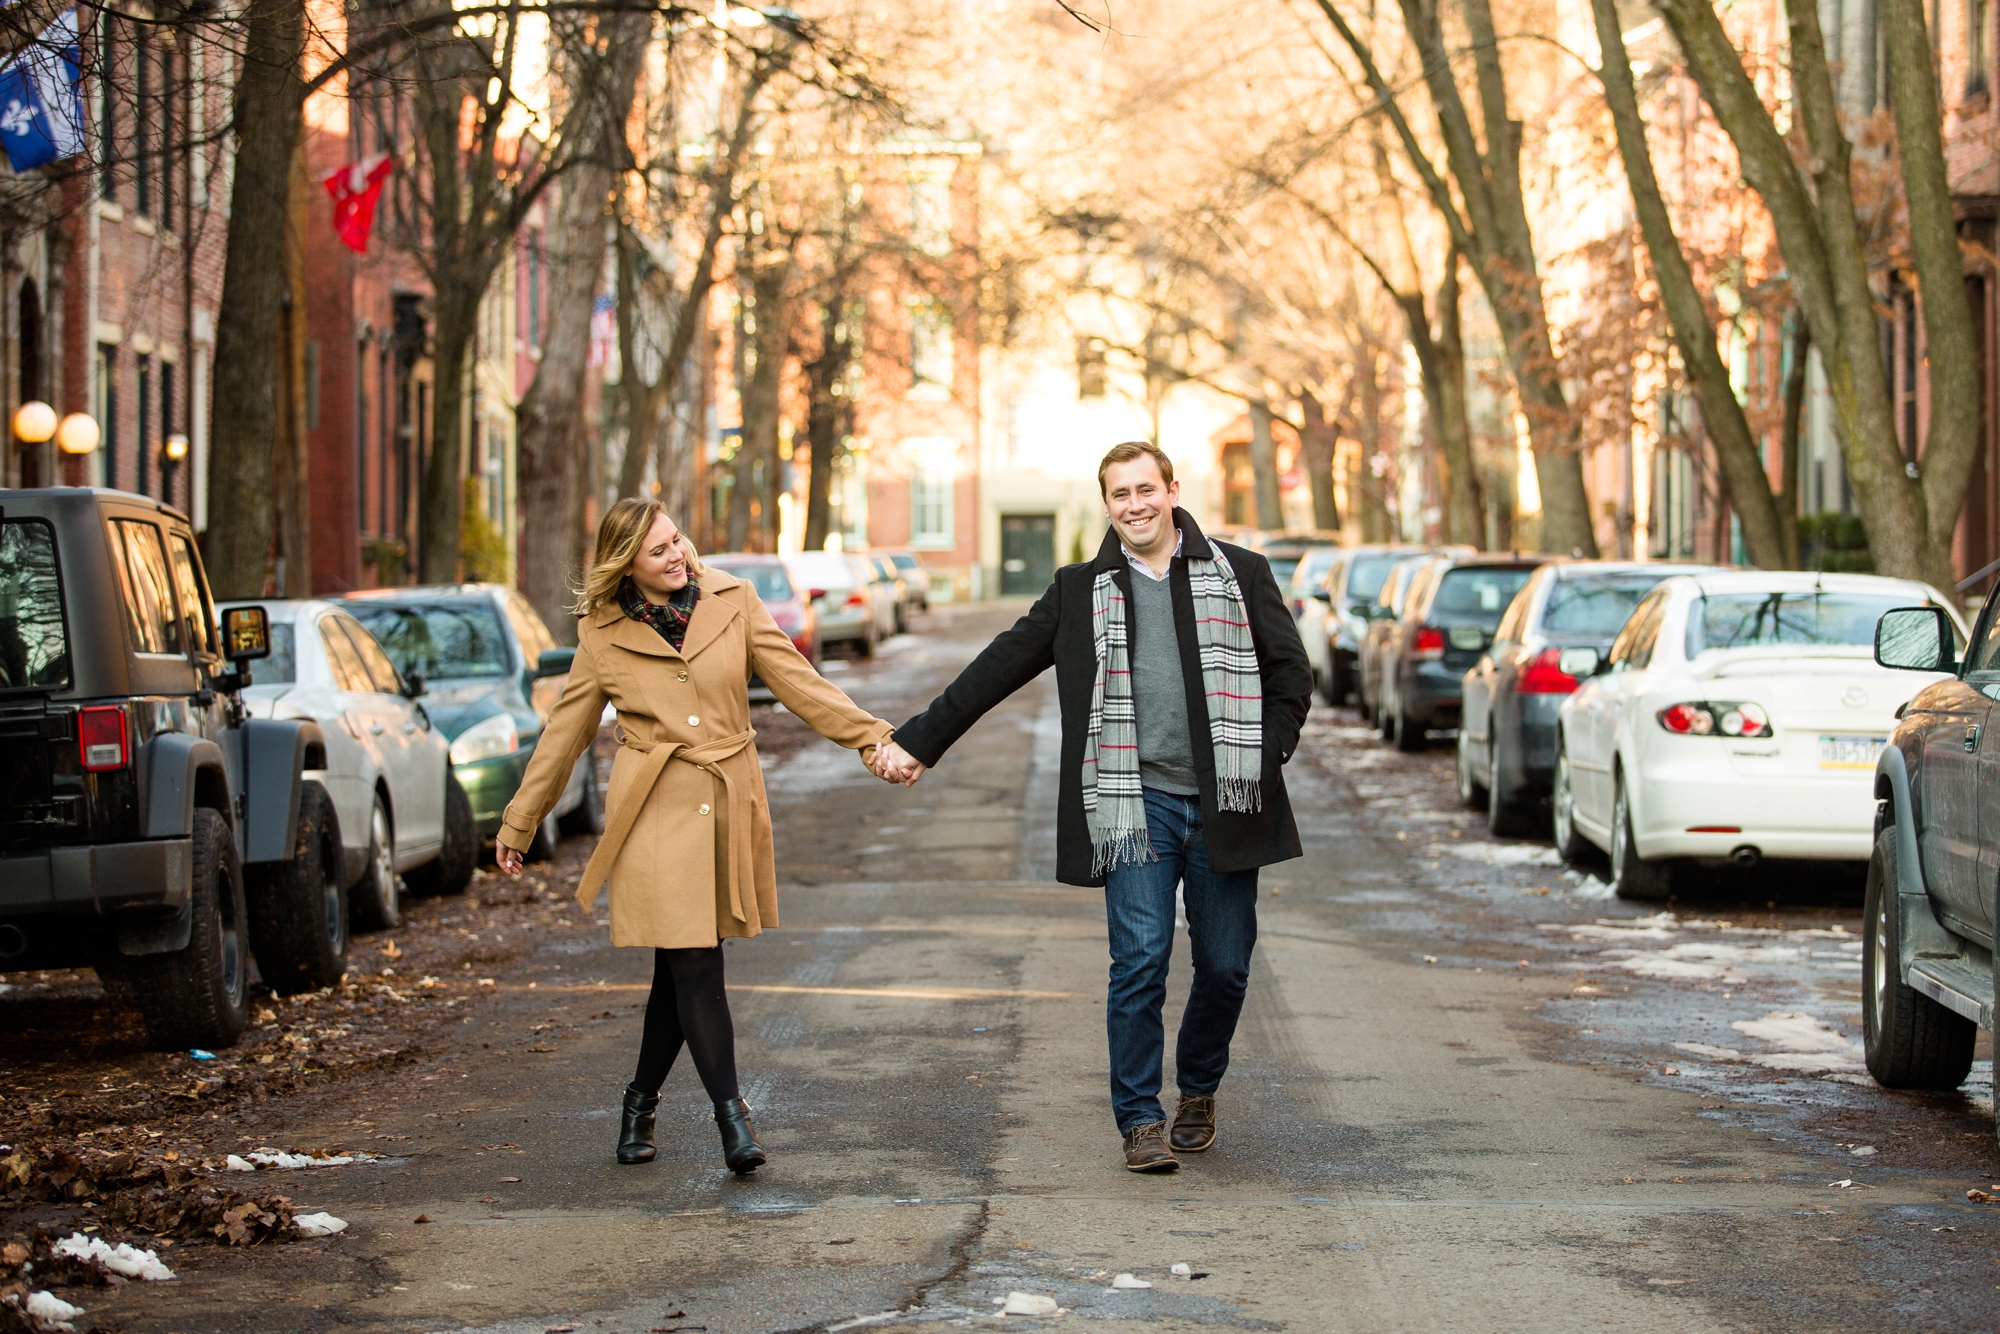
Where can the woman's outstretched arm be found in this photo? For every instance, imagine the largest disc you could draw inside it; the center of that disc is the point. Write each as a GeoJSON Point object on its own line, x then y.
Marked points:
{"type": "Point", "coordinates": [572, 727]}
{"type": "Point", "coordinates": [822, 705]}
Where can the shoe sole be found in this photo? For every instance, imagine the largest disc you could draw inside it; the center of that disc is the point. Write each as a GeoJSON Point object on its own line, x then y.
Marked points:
{"type": "Point", "coordinates": [1202, 1147]}
{"type": "Point", "coordinates": [623, 1161]}
{"type": "Point", "coordinates": [1170, 1165]}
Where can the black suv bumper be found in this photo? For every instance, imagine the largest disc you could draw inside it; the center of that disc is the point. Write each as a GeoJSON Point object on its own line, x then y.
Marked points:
{"type": "Point", "coordinates": [100, 877]}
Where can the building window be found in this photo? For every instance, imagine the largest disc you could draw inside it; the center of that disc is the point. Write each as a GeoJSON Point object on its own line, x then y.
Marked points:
{"type": "Point", "coordinates": [145, 450]}
{"type": "Point", "coordinates": [930, 209]}
{"type": "Point", "coordinates": [142, 129]}
{"type": "Point", "coordinates": [930, 349]}
{"type": "Point", "coordinates": [1978, 48]}
{"type": "Point", "coordinates": [169, 134]}
{"type": "Point", "coordinates": [166, 426]}
{"type": "Point", "coordinates": [312, 384]}
{"type": "Point", "coordinates": [931, 494]}
{"type": "Point", "coordinates": [105, 409]}
{"type": "Point", "coordinates": [1090, 367]}
{"type": "Point", "coordinates": [107, 109]}
{"type": "Point", "coordinates": [535, 290]}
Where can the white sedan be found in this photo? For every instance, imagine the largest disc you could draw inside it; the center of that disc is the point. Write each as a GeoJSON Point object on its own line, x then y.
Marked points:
{"type": "Point", "coordinates": [400, 809]}
{"type": "Point", "coordinates": [1738, 716]}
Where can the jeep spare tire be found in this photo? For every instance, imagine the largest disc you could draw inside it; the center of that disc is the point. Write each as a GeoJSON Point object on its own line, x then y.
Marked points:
{"type": "Point", "coordinates": [196, 996]}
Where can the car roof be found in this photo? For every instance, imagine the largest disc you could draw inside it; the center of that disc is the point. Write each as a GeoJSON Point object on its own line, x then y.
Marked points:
{"type": "Point", "coordinates": [1805, 581]}
{"type": "Point", "coordinates": [425, 592]}
{"type": "Point", "coordinates": [744, 558]}
{"type": "Point", "coordinates": [1584, 569]}
{"type": "Point", "coordinates": [286, 609]}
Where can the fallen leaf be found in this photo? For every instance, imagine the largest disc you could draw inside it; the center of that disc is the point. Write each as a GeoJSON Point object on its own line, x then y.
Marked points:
{"type": "Point", "coordinates": [1978, 1197]}
{"type": "Point", "coordinates": [421, 1218]}
{"type": "Point", "coordinates": [510, 1178]}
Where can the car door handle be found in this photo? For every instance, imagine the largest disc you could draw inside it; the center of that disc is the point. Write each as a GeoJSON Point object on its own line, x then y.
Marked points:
{"type": "Point", "coordinates": [409, 728]}
{"type": "Point", "coordinates": [375, 729]}
{"type": "Point", "coordinates": [1972, 737]}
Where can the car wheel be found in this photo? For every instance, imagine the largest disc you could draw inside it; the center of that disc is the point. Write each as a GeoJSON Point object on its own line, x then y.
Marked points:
{"type": "Point", "coordinates": [1571, 845]}
{"type": "Point", "coordinates": [864, 647]}
{"type": "Point", "coordinates": [588, 817]}
{"type": "Point", "coordinates": [1385, 715]}
{"type": "Point", "coordinates": [197, 996]}
{"type": "Point", "coordinates": [1911, 1041]}
{"type": "Point", "coordinates": [1409, 731]}
{"type": "Point", "coordinates": [452, 871]}
{"type": "Point", "coordinates": [1329, 683]}
{"type": "Point", "coordinates": [542, 847]}
{"type": "Point", "coordinates": [1505, 816]}
{"type": "Point", "coordinates": [1470, 793]}
{"type": "Point", "coordinates": [298, 910]}
{"type": "Point", "coordinates": [375, 903]}
{"type": "Point", "coordinates": [1632, 876]}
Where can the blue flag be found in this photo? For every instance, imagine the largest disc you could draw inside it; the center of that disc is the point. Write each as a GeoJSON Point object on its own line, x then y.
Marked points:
{"type": "Point", "coordinates": [41, 98]}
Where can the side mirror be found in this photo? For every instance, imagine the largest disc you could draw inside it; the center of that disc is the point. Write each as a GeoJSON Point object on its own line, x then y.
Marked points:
{"type": "Point", "coordinates": [815, 594]}
{"type": "Point", "coordinates": [1579, 662]}
{"type": "Point", "coordinates": [554, 662]}
{"type": "Point", "coordinates": [246, 634]}
{"type": "Point", "coordinates": [414, 683]}
{"type": "Point", "coordinates": [1321, 595]}
{"type": "Point", "coordinates": [1916, 639]}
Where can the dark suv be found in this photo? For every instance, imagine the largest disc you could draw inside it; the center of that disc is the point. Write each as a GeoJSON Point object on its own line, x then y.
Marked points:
{"type": "Point", "coordinates": [1449, 617]}
{"type": "Point", "coordinates": [148, 828]}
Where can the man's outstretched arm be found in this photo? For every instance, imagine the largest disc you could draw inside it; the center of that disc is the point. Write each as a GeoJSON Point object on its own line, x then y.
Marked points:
{"type": "Point", "coordinates": [1012, 660]}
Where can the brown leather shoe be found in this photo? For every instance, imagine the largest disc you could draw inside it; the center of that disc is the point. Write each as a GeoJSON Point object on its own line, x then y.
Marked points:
{"type": "Point", "coordinates": [1146, 1149]}
{"type": "Point", "coordinates": [1194, 1125]}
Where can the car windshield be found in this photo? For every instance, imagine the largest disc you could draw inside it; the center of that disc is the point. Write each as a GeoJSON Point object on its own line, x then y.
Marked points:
{"type": "Point", "coordinates": [461, 637]}
{"type": "Point", "coordinates": [770, 581]}
{"type": "Point", "coordinates": [1312, 569]}
{"type": "Point", "coordinates": [282, 667]}
{"type": "Point", "coordinates": [822, 569]}
{"type": "Point", "coordinates": [1599, 605]}
{"type": "Point", "coordinates": [1282, 569]}
{"type": "Point", "coordinates": [1369, 573]}
{"type": "Point", "coordinates": [1752, 620]}
{"type": "Point", "coordinates": [905, 562]}
{"type": "Point", "coordinates": [1478, 595]}
{"type": "Point", "coordinates": [34, 646]}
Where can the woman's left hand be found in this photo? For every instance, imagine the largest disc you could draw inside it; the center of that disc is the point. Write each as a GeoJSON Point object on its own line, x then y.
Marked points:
{"type": "Point", "coordinates": [507, 859]}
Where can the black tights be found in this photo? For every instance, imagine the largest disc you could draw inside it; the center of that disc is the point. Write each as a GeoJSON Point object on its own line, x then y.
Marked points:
{"type": "Point", "coordinates": [688, 1005]}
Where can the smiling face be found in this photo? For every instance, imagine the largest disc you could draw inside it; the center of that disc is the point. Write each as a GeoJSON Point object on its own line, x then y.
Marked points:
{"type": "Point", "coordinates": [1140, 504]}
{"type": "Point", "coordinates": [661, 567]}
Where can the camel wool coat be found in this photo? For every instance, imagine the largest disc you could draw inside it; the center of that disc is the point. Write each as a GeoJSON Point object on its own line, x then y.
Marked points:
{"type": "Point", "coordinates": [687, 839]}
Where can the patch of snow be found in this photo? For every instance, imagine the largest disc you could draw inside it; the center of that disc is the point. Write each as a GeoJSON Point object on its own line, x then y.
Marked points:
{"type": "Point", "coordinates": [1183, 1271]}
{"type": "Point", "coordinates": [129, 1261]}
{"type": "Point", "coordinates": [1126, 1282]}
{"type": "Point", "coordinates": [319, 1225]}
{"type": "Point", "coordinates": [1793, 1031]}
{"type": "Point", "coordinates": [1028, 1303]}
{"type": "Point", "coordinates": [1506, 854]}
{"type": "Point", "coordinates": [1712, 1052]}
{"type": "Point", "coordinates": [47, 1311]}
{"type": "Point", "coordinates": [278, 1160]}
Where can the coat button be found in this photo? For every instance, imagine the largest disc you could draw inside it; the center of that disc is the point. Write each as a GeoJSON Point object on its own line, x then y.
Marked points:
{"type": "Point", "coordinates": [682, 676]}
{"type": "Point", "coordinates": [701, 809]}
{"type": "Point", "coordinates": [693, 721]}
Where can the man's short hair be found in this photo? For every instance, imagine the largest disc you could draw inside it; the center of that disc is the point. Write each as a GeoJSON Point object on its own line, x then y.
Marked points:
{"type": "Point", "coordinates": [1135, 449]}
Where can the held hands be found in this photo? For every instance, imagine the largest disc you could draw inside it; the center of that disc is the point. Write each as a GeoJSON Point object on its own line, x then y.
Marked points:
{"type": "Point", "coordinates": [892, 764]}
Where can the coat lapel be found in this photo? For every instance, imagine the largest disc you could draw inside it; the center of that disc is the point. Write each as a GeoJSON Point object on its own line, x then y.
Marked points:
{"type": "Point", "coordinates": [712, 614]}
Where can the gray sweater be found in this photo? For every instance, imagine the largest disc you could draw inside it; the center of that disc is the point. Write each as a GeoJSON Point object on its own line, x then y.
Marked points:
{"type": "Point", "coordinates": [1159, 694]}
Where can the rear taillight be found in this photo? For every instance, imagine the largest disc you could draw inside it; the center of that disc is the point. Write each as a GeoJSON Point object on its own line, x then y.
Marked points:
{"type": "Point", "coordinates": [1430, 643]}
{"type": "Point", "coordinates": [101, 739]}
{"type": "Point", "coordinates": [1544, 675]}
{"type": "Point", "coordinates": [1715, 718]}
{"type": "Point", "coordinates": [857, 598]}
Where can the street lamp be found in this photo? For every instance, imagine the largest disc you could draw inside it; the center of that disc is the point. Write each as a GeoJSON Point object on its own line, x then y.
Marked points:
{"type": "Point", "coordinates": [172, 450]}
{"type": "Point", "coordinates": [34, 422]}
{"type": "Point", "coordinates": [78, 433]}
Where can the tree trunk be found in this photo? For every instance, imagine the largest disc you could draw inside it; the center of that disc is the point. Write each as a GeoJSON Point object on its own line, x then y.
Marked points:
{"type": "Point", "coordinates": [1318, 440]}
{"type": "Point", "coordinates": [249, 317]}
{"type": "Point", "coordinates": [1742, 472]}
{"type": "Point", "coordinates": [441, 508]}
{"type": "Point", "coordinates": [1375, 526]}
{"type": "Point", "coordinates": [1792, 456]}
{"type": "Point", "coordinates": [1264, 468]}
{"type": "Point", "coordinates": [294, 485]}
{"type": "Point", "coordinates": [826, 414]}
{"type": "Point", "coordinates": [1951, 350]}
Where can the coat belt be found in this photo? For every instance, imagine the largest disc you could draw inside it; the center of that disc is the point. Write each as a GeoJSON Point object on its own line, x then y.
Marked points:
{"type": "Point", "coordinates": [734, 849]}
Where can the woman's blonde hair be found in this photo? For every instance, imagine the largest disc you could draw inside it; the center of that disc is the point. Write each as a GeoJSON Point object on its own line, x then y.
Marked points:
{"type": "Point", "coordinates": [620, 533]}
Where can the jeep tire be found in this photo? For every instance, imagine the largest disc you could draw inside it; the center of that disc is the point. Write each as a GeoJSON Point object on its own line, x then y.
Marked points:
{"type": "Point", "coordinates": [452, 871]}
{"type": "Point", "coordinates": [197, 996]}
{"type": "Point", "coordinates": [298, 910]}
{"type": "Point", "coordinates": [1910, 1040]}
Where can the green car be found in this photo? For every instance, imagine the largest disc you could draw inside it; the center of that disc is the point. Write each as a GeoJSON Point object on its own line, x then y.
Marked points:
{"type": "Point", "coordinates": [491, 672]}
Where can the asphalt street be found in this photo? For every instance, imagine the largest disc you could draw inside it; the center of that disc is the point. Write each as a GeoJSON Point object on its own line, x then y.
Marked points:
{"type": "Point", "coordinates": [1469, 1092]}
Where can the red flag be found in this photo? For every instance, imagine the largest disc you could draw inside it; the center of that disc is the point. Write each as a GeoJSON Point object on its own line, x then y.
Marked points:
{"type": "Point", "coordinates": [355, 189]}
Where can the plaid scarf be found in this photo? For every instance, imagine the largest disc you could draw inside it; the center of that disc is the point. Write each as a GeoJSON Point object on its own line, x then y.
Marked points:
{"type": "Point", "coordinates": [1114, 805]}
{"type": "Point", "coordinates": [670, 618]}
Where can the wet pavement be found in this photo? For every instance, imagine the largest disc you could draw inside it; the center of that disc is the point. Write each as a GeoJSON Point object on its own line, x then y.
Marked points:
{"type": "Point", "coordinates": [1470, 1091]}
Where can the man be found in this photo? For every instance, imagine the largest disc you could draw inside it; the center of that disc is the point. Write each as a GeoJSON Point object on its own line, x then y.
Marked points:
{"type": "Point", "coordinates": [1183, 687]}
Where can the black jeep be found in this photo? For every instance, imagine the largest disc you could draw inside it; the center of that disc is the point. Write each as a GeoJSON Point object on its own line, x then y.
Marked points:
{"type": "Point", "coordinates": [148, 828]}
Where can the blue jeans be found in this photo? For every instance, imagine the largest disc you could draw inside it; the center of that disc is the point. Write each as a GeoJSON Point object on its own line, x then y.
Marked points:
{"type": "Point", "coordinates": [1222, 928]}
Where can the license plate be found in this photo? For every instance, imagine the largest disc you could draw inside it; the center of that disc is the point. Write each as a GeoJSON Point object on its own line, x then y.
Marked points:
{"type": "Point", "coordinates": [1468, 637]}
{"type": "Point", "coordinates": [1850, 752]}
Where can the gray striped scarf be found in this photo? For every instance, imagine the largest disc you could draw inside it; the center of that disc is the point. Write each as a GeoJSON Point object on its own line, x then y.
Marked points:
{"type": "Point", "coordinates": [1114, 804]}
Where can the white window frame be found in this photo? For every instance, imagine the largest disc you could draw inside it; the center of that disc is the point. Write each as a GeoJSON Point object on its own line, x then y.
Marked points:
{"type": "Point", "coordinates": [933, 494]}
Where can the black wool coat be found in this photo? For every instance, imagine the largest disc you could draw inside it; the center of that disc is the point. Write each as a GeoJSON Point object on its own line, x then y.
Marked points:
{"type": "Point", "coordinates": [1056, 632]}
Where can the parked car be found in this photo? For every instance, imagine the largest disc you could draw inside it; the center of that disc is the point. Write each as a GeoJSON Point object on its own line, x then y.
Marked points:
{"type": "Point", "coordinates": [492, 672]}
{"type": "Point", "coordinates": [1738, 716]}
{"type": "Point", "coordinates": [1286, 550]}
{"type": "Point", "coordinates": [1350, 591]}
{"type": "Point", "coordinates": [1383, 616]}
{"type": "Point", "coordinates": [402, 811]}
{"type": "Point", "coordinates": [1927, 945]}
{"type": "Point", "coordinates": [916, 576]}
{"type": "Point", "coordinates": [788, 607]}
{"type": "Point", "coordinates": [889, 579]}
{"type": "Point", "coordinates": [1507, 721]}
{"type": "Point", "coordinates": [847, 596]}
{"type": "Point", "coordinates": [1449, 616]}
{"type": "Point", "coordinates": [150, 828]}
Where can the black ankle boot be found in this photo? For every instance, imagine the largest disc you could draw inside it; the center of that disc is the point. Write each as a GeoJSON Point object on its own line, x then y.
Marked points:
{"type": "Point", "coordinates": [739, 1141]}
{"type": "Point", "coordinates": [635, 1136]}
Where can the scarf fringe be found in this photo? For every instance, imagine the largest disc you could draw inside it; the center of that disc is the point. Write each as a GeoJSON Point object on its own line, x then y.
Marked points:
{"type": "Point", "coordinates": [1119, 847]}
{"type": "Point", "coordinates": [1239, 794]}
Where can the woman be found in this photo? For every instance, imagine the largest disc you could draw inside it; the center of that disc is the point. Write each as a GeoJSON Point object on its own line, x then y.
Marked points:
{"type": "Point", "coordinates": [671, 645]}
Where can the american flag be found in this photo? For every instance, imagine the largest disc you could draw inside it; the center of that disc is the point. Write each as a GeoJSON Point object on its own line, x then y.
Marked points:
{"type": "Point", "coordinates": [603, 328]}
